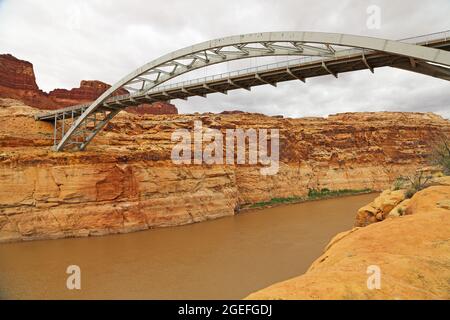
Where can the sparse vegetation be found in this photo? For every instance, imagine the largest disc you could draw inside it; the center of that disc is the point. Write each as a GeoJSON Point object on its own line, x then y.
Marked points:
{"type": "Point", "coordinates": [313, 194]}
{"type": "Point", "coordinates": [416, 183]}
{"type": "Point", "coordinates": [400, 183]}
{"type": "Point", "coordinates": [440, 154]}
{"type": "Point", "coordinates": [325, 193]}
{"type": "Point", "coordinates": [419, 180]}
{"type": "Point", "coordinates": [275, 201]}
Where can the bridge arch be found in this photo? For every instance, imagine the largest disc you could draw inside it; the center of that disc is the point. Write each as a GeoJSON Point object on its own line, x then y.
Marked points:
{"type": "Point", "coordinates": [174, 64]}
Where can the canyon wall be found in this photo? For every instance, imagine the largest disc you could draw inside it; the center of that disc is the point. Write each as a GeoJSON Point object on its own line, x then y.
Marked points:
{"type": "Point", "coordinates": [125, 180]}
{"type": "Point", "coordinates": [18, 81]}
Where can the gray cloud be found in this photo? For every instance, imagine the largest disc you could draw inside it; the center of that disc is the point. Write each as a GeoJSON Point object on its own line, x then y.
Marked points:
{"type": "Point", "coordinates": [92, 39]}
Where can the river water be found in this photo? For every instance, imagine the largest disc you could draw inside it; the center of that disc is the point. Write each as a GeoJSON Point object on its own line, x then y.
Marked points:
{"type": "Point", "coordinates": [226, 258]}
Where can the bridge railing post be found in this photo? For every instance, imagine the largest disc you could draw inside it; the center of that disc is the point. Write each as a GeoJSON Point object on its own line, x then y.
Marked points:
{"type": "Point", "coordinates": [55, 143]}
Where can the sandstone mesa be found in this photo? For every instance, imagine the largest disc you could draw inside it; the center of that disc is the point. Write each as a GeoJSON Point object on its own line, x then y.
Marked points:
{"type": "Point", "coordinates": [18, 81]}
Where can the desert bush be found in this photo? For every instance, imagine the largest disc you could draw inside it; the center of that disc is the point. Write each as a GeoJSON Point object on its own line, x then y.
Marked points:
{"type": "Point", "coordinates": [417, 182]}
{"type": "Point", "coordinates": [440, 154]}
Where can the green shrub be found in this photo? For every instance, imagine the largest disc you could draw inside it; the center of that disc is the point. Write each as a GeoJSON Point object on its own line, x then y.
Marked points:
{"type": "Point", "coordinates": [313, 194]}
{"type": "Point", "coordinates": [400, 183]}
{"type": "Point", "coordinates": [324, 193]}
{"type": "Point", "coordinates": [274, 201]}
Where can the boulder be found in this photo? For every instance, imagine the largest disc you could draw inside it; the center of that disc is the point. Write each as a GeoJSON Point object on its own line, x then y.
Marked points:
{"type": "Point", "coordinates": [399, 210]}
{"type": "Point", "coordinates": [378, 209]}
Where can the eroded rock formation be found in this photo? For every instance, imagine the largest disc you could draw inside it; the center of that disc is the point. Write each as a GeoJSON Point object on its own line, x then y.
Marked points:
{"type": "Point", "coordinates": [392, 203]}
{"type": "Point", "coordinates": [412, 253]}
{"type": "Point", "coordinates": [18, 81]}
{"type": "Point", "coordinates": [88, 91]}
{"type": "Point", "coordinates": [380, 208]}
{"type": "Point", "coordinates": [126, 181]}
{"type": "Point", "coordinates": [154, 108]}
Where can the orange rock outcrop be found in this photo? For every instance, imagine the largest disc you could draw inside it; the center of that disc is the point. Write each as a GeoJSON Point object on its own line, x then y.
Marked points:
{"type": "Point", "coordinates": [394, 202]}
{"type": "Point", "coordinates": [125, 181]}
{"type": "Point", "coordinates": [411, 251]}
{"type": "Point", "coordinates": [18, 81]}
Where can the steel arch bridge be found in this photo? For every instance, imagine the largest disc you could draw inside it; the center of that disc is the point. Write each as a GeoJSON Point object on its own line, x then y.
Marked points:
{"type": "Point", "coordinates": [321, 54]}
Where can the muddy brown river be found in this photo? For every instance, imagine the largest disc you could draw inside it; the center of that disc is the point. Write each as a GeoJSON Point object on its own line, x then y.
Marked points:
{"type": "Point", "coordinates": [226, 258]}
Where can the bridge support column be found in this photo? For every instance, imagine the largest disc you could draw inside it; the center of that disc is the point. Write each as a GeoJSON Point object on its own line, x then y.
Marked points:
{"type": "Point", "coordinates": [367, 63]}
{"type": "Point", "coordinates": [289, 71]}
{"type": "Point", "coordinates": [85, 132]}
{"type": "Point", "coordinates": [328, 70]}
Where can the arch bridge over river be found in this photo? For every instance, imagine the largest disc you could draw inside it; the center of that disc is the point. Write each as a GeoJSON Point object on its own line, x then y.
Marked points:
{"type": "Point", "coordinates": [319, 54]}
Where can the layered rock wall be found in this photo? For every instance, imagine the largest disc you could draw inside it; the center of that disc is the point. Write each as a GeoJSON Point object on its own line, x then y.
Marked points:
{"type": "Point", "coordinates": [126, 181]}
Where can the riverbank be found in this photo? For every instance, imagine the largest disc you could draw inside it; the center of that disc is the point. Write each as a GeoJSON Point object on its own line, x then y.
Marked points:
{"type": "Point", "coordinates": [313, 195]}
{"type": "Point", "coordinates": [411, 252]}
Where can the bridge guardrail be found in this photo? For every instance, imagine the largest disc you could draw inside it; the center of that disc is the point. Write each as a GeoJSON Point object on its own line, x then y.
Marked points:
{"type": "Point", "coordinates": [427, 38]}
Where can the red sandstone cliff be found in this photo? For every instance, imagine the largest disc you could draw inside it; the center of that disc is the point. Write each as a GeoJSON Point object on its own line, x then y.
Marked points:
{"type": "Point", "coordinates": [154, 108]}
{"type": "Point", "coordinates": [89, 90]}
{"type": "Point", "coordinates": [18, 81]}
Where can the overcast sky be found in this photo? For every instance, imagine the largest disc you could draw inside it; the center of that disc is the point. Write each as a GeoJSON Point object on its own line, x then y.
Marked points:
{"type": "Point", "coordinates": [68, 41]}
